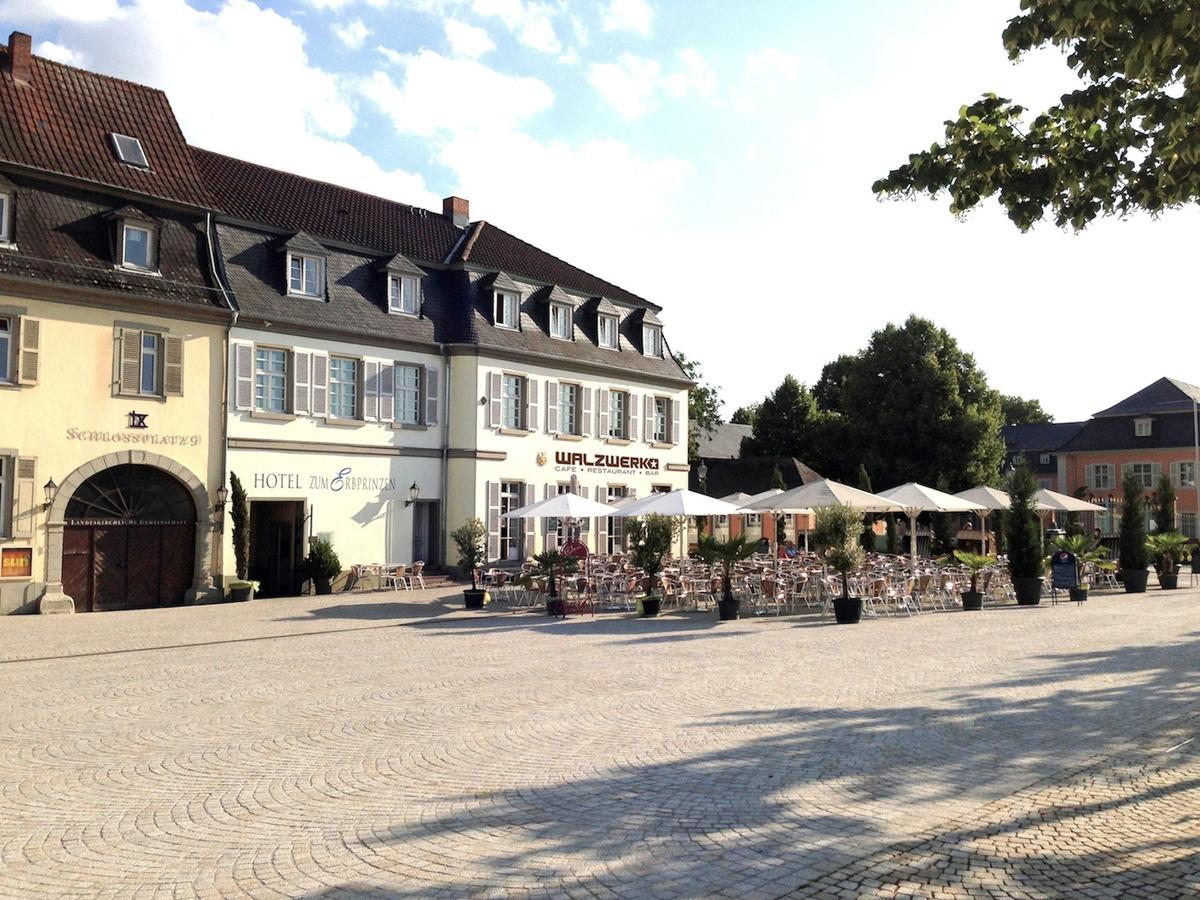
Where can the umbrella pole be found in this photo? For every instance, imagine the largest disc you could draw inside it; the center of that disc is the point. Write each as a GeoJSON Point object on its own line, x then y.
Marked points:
{"type": "Point", "coordinates": [912, 536]}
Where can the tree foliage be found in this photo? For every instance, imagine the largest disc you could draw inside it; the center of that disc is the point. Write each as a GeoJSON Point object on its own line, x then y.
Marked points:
{"type": "Point", "coordinates": [1134, 555]}
{"type": "Point", "coordinates": [785, 423]}
{"type": "Point", "coordinates": [1019, 411]}
{"type": "Point", "coordinates": [1164, 504]}
{"type": "Point", "coordinates": [704, 405]}
{"type": "Point", "coordinates": [1127, 139]}
{"type": "Point", "coordinates": [745, 415]}
{"type": "Point", "coordinates": [470, 539]}
{"type": "Point", "coordinates": [1023, 531]}
{"type": "Point", "coordinates": [239, 514]}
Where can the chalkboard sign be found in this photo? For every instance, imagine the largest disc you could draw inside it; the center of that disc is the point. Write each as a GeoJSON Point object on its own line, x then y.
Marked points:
{"type": "Point", "coordinates": [1064, 570]}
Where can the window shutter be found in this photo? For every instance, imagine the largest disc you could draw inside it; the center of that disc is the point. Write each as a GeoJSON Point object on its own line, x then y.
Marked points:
{"type": "Point", "coordinates": [676, 422]}
{"type": "Point", "coordinates": [493, 520]}
{"type": "Point", "coordinates": [1175, 479]}
{"type": "Point", "coordinates": [29, 364]}
{"type": "Point", "coordinates": [648, 405]}
{"type": "Point", "coordinates": [24, 492]}
{"type": "Point", "coordinates": [494, 388]}
{"type": "Point", "coordinates": [430, 384]}
{"type": "Point", "coordinates": [301, 382]}
{"type": "Point", "coordinates": [632, 417]}
{"type": "Point", "coordinates": [585, 427]}
{"type": "Point", "coordinates": [602, 401]}
{"type": "Point", "coordinates": [602, 521]}
{"type": "Point", "coordinates": [1155, 474]}
{"type": "Point", "coordinates": [387, 392]}
{"type": "Point", "coordinates": [585, 524]}
{"type": "Point", "coordinates": [131, 356]}
{"type": "Point", "coordinates": [243, 374]}
{"type": "Point", "coordinates": [1089, 475]}
{"type": "Point", "coordinates": [531, 404]}
{"type": "Point", "coordinates": [550, 526]}
{"type": "Point", "coordinates": [551, 407]}
{"type": "Point", "coordinates": [530, 532]}
{"type": "Point", "coordinates": [370, 390]}
{"type": "Point", "coordinates": [320, 384]}
{"type": "Point", "coordinates": [1125, 467]}
{"type": "Point", "coordinates": [172, 366]}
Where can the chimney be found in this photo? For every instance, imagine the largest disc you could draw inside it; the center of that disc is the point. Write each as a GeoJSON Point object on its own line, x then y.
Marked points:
{"type": "Point", "coordinates": [457, 210]}
{"type": "Point", "coordinates": [19, 50]}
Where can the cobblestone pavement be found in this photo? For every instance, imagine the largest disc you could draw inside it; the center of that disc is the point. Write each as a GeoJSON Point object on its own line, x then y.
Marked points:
{"type": "Point", "coordinates": [309, 748]}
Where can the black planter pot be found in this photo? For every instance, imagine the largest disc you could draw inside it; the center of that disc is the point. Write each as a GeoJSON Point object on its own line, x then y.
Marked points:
{"type": "Point", "coordinates": [241, 594]}
{"type": "Point", "coordinates": [651, 607]}
{"type": "Point", "coordinates": [1135, 580]}
{"type": "Point", "coordinates": [972, 600]}
{"type": "Point", "coordinates": [1079, 594]}
{"type": "Point", "coordinates": [727, 610]}
{"type": "Point", "coordinates": [847, 610]}
{"type": "Point", "coordinates": [473, 599]}
{"type": "Point", "coordinates": [556, 607]}
{"type": "Point", "coordinates": [1168, 582]}
{"type": "Point", "coordinates": [323, 585]}
{"type": "Point", "coordinates": [1028, 591]}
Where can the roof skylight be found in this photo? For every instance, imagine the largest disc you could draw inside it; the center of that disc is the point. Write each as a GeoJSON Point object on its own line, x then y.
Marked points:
{"type": "Point", "coordinates": [129, 150]}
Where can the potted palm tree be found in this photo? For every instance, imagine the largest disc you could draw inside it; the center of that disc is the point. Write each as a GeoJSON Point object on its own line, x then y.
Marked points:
{"type": "Point", "coordinates": [975, 563]}
{"type": "Point", "coordinates": [1169, 548]}
{"type": "Point", "coordinates": [550, 562]}
{"type": "Point", "coordinates": [1024, 537]}
{"type": "Point", "coordinates": [836, 535]}
{"type": "Point", "coordinates": [471, 540]}
{"type": "Point", "coordinates": [650, 539]}
{"type": "Point", "coordinates": [728, 554]}
{"type": "Point", "coordinates": [1135, 555]}
{"type": "Point", "coordinates": [322, 565]}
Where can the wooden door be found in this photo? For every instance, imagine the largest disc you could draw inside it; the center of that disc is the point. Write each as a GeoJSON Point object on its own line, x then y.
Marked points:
{"type": "Point", "coordinates": [77, 566]}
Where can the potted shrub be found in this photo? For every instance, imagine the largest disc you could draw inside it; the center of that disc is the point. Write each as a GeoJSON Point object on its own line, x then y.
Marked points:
{"type": "Point", "coordinates": [1169, 549]}
{"type": "Point", "coordinates": [835, 534]}
{"type": "Point", "coordinates": [1135, 555]}
{"type": "Point", "coordinates": [1023, 537]}
{"type": "Point", "coordinates": [549, 562]}
{"type": "Point", "coordinates": [322, 565]}
{"type": "Point", "coordinates": [728, 554]}
{"type": "Point", "coordinates": [975, 563]}
{"type": "Point", "coordinates": [1086, 551]}
{"type": "Point", "coordinates": [650, 539]}
{"type": "Point", "coordinates": [239, 514]}
{"type": "Point", "coordinates": [471, 540]}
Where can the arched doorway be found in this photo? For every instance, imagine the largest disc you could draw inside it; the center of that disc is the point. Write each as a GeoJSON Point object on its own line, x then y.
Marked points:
{"type": "Point", "coordinates": [129, 537]}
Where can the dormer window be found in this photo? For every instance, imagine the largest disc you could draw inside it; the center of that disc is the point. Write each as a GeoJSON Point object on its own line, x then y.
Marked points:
{"type": "Point", "coordinates": [304, 275]}
{"type": "Point", "coordinates": [1143, 427]}
{"type": "Point", "coordinates": [137, 247]}
{"type": "Point", "coordinates": [606, 331]}
{"type": "Point", "coordinates": [129, 151]}
{"type": "Point", "coordinates": [651, 340]}
{"type": "Point", "coordinates": [6, 225]}
{"type": "Point", "coordinates": [560, 321]}
{"type": "Point", "coordinates": [403, 293]}
{"type": "Point", "coordinates": [506, 312]}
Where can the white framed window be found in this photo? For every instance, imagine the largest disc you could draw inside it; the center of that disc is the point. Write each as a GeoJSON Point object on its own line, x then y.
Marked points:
{"type": "Point", "coordinates": [507, 309]}
{"type": "Point", "coordinates": [1187, 524]}
{"type": "Point", "coordinates": [754, 520]}
{"type": "Point", "coordinates": [512, 401]}
{"type": "Point", "coordinates": [148, 364]}
{"type": "Point", "coordinates": [408, 395]}
{"type": "Point", "coordinates": [618, 415]}
{"type": "Point", "coordinates": [1183, 474]}
{"type": "Point", "coordinates": [662, 420]}
{"type": "Point", "coordinates": [616, 524]}
{"type": "Point", "coordinates": [5, 467]}
{"type": "Point", "coordinates": [1044, 459]}
{"type": "Point", "coordinates": [137, 247]}
{"type": "Point", "coordinates": [270, 380]}
{"type": "Point", "coordinates": [568, 408]}
{"type": "Point", "coordinates": [304, 275]}
{"type": "Point", "coordinates": [651, 340]}
{"type": "Point", "coordinates": [512, 531]}
{"type": "Point", "coordinates": [6, 353]}
{"type": "Point", "coordinates": [560, 321]}
{"type": "Point", "coordinates": [403, 291]}
{"type": "Point", "coordinates": [1144, 473]}
{"type": "Point", "coordinates": [1143, 427]}
{"type": "Point", "coordinates": [1102, 477]}
{"type": "Point", "coordinates": [606, 331]}
{"type": "Point", "coordinates": [343, 387]}
{"type": "Point", "coordinates": [6, 230]}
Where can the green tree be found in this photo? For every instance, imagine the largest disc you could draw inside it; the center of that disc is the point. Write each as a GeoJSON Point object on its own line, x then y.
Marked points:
{"type": "Point", "coordinates": [1019, 411]}
{"type": "Point", "coordinates": [1164, 504]}
{"type": "Point", "coordinates": [1127, 139]}
{"type": "Point", "coordinates": [912, 407]}
{"type": "Point", "coordinates": [1134, 554]}
{"type": "Point", "coordinates": [1023, 531]}
{"type": "Point", "coordinates": [745, 415]}
{"type": "Point", "coordinates": [239, 513]}
{"type": "Point", "coordinates": [704, 405]}
{"type": "Point", "coordinates": [471, 540]}
{"type": "Point", "coordinates": [785, 422]}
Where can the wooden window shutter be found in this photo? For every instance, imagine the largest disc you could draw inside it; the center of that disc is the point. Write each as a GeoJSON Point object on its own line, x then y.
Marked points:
{"type": "Point", "coordinates": [301, 381]}
{"type": "Point", "coordinates": [552, 407]}
{"type": "Point", "coordinates": [129, 372]}
{"type": "Point", "coordinates": [29, 363]}
{"type": "Point", "coordinates": [1155, 473]}
{"type": "Point", "coordinates": [530, 532]}
{"type": "Point", "coordinates": [320, 384]}
{"type": "Point", "coordinates": [172, 366]}
{"type": "Point", "coordinates": [602, 521]}
{"type": "Point", "coordinates": [387, 392]}
{"type": "Point", "coordinates": [493, 393]}
{"type": "Point", "coordinates": [243, 377]}
{"type": "Point", "coordinates": [493, 520]}
{"type": "Point", "coordinates": [585, 524]}
{"type": "Point", "coordinates": [370, 391]}
{"type": "Point", "coordinates": [1089, 475]}
{"type": "Point", "coordinates": [1175, 479]}
{"type": "Point", "coordinates": [531, 404]}
{"type": "Point", "coordinates": [632, 416]}
{"type": "Point", "coordinates": [585, 425]}
{"type": "Point", "coordinates": [676, 422]}
{"type": "Point", "coordinates": [602, 401]}
{"type": "Point", "coordinates": [24, 507]}
{"type": "Point", "coordinates": [649, 404]}
{"type": "Point", "coordinates": [430, 385]}
{"type": "Point", "coordinates": [550, 526]}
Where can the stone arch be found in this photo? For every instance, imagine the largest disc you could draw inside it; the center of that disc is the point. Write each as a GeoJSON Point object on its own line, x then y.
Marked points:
{"type": "Point", "coordinates": [54, 600]}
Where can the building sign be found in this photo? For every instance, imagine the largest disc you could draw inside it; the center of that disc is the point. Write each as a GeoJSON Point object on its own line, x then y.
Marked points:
{"type": "Point", "coordinates": [601, 463]}
{"type": "Point", "coordinates": [16, 562]}
{"type": "Point", "coordinates": [134, 436]}
{"type": "Point", "coordinates": [342, 481]}
{"type": "Point", "coordinates": [138, 420]}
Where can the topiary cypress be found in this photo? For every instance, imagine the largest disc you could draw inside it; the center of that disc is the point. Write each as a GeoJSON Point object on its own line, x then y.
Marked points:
{"type": "Point", "coordinates": [1023, 532]}
{"type": "Point", "coordinates": [1134, 555]}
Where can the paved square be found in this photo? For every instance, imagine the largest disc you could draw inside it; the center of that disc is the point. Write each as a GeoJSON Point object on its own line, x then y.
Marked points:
{"type": "Point", "coordinates": [331, 746]}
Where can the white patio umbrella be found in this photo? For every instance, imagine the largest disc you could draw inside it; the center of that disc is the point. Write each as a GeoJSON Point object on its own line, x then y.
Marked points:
{"type": "Point", "coordinates": [737, 498]}
{"type": "Point", "coordinates": [562, 506]}
{"type": "Point", "coordinates": [990, 499]}
{"type": "Point", "coordinates": [807, 497]}
{"type": "Point", "coordinates": [915, 499]}
{"type": "Point", "coordinates": [1055, 502]}
{"type": "Point", "coordinates": [678, 503]}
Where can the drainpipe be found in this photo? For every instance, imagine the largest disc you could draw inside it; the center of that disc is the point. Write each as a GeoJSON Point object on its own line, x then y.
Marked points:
{"type": "Point", "coordinates": [211, 240]}
{"type": "Point", "coordinates": [443, 506]}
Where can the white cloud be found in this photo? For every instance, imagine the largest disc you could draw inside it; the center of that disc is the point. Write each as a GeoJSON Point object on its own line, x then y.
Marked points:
{"type": "Point", "coordinates": [767, 74]}
{"type": "Point", "coordinates": [628, 15]}
{"type": "Point", "coordinates": [353, 33]}
{"type": "Point", "coordinates": [61, 54]}
{"type": "Point", "coordinates": [695, 75]}
{"type": "Point", "coordinates": [530, 21]}
{"type": "Point", "coordinates": [628, 84]}
{"type": "Point", "coordinates": [468, 40]}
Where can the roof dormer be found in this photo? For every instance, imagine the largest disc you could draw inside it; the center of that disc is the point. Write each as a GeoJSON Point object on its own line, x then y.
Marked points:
{"type": "Point", "coordinates": [402, 285]}
{"type": "Point", "coordinates": [304, 266]}
{"type": "Point", "coordinates": [135, 240]}
{"type": "Point", "coordinates": [505, 300]}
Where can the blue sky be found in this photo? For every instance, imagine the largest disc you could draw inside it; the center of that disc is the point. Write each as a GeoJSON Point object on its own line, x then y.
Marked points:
{"type": "Point", "coordinates": [714, 157]}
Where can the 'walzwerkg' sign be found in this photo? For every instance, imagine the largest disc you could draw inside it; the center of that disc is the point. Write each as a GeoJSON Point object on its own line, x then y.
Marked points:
{"type": "Point", "coordinates": [601, 463]}
{"type": "Point", "coordinates": [343, 480]}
